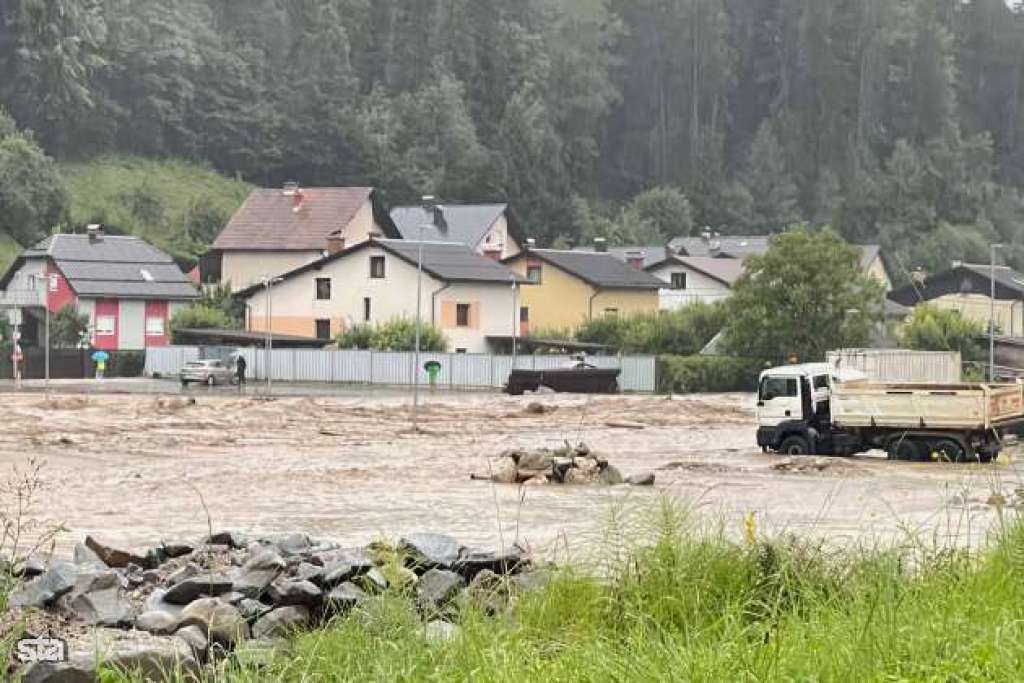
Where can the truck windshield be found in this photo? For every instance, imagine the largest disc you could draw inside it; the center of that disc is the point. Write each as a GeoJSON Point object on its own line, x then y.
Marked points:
{"type": "Point", "coordinates": [777, 387]}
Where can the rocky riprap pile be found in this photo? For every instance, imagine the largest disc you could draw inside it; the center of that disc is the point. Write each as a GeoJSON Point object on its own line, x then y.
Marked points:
{"type": "Point", "coordinates": [183, 606]}
{"type": "Point", "coordinates": [567, 465]}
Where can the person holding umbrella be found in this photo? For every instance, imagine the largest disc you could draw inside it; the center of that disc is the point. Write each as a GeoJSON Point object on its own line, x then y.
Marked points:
{"type": "Point", "coordinates": [100, 358]}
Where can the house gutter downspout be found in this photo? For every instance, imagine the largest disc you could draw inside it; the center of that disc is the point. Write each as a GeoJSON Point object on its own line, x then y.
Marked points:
{"type": "Point", "coordinates": [590, 307]}
{"type": "Point", "coordinates": [433, 301]}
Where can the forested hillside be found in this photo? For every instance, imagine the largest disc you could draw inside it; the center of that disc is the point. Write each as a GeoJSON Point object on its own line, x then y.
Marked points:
{"type": "Point", "coordinates": [899, 121]}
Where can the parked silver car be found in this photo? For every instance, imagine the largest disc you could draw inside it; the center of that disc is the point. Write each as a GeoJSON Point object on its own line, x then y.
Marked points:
{"type": "Point", "coordinates": [209, 372]}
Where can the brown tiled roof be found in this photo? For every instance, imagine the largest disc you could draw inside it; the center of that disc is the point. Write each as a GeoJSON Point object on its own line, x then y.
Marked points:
{"type": "Point", "coordinates": [267, 220]}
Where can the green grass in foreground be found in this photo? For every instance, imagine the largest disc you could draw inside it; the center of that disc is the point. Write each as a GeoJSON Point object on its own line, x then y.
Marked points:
{"type": "Point", "coordinates": [693, 608]}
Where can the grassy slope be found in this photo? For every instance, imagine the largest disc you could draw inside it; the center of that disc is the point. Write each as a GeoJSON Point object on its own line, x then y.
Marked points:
{"type": "Point", "coordinates": [149, 198]}
{"type": "Point", "coordinates": [690, 608]}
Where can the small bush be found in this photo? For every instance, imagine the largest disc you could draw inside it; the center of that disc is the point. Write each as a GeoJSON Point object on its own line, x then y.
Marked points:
{"type": "Point", "coordinates": [706, 374]}
{"type": "Point", "coordinates": [200, 316]}
{"type": "Point", "coordinates": [126, 364]}
{"type": "Point", "coordinates": [936, 329]}
{"type": "Point", "coordinates": [395, 335]}
{"type": "Point", "coordinates": [681, 332]}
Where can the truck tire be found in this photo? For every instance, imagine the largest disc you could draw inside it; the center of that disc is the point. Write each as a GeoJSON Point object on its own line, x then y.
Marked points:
{"type": "Point", "coordinates": [902, 448]}
{"type": "Point", "coordinates": [946, 450]}
{"type": "Point", "coordinates": [795, 445]}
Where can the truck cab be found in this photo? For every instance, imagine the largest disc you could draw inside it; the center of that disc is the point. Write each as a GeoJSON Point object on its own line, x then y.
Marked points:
{"type": "Point", "coordinates": [793, 405]}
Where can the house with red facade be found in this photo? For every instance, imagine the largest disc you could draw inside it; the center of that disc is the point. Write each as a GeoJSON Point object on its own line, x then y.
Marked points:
{"type": "Point", "coordinates": [127, 287]}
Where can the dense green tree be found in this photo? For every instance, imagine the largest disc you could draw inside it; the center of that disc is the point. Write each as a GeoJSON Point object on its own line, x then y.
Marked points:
{"type": "Point", "coordinates": [32, 195]}
{"type": "Point", "coordinates": [806, 295]}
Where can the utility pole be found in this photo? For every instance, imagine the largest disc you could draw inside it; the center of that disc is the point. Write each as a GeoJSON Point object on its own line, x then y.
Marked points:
{"type": "Point", "coordinates": [992, 316]}
{"type": "Point", "coordinates": [515, 319]}
{"type": "Point", "coordinates": [429, 206]}
{"type": "Point", "coordinates": [268, 347]}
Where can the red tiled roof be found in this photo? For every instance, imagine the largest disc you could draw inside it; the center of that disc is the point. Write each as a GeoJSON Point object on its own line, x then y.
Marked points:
{"type": "Point", "coordinates": [268, 220]}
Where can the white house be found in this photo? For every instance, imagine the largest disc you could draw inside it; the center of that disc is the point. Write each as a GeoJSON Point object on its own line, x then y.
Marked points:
{"type": "Point", "coordinates": [489, 229]}
{"type": "Point", "coordinates": [467, 296]}
{"type": "Point", "coordinates": [694, 279]}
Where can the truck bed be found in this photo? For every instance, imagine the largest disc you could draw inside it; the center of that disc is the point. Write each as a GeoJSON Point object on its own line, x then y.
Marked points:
{"type": "Point", "coordinates": [927, 406]}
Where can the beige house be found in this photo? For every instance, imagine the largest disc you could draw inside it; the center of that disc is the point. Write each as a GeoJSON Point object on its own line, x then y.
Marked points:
{"type": "Point", "coordinates": [967, 288]}
{"type": "Point", "coordinates": [488, 229]}
{"type": "Point", "coordinates": [276, 231]}
{"type": "Point", "coordinates": [695, 279]}
{"type": "Point", "coordinates": [467, 296]}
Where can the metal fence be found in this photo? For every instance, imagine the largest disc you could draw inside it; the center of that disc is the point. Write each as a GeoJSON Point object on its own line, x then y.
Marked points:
{"type": "Point", "coordinates": [458, 370]}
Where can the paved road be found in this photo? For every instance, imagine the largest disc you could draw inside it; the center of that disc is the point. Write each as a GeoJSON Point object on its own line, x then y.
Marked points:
{"type": "Point", "coordinates": [169, 386]}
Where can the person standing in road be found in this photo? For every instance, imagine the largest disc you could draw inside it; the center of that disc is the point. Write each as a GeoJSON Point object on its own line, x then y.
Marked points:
{"type": "Point", "coordinates": [240, 366]}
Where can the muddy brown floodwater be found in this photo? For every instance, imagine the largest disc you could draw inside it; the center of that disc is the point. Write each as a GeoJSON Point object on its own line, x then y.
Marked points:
{"type": "Point", "coordinates": [130, 469]}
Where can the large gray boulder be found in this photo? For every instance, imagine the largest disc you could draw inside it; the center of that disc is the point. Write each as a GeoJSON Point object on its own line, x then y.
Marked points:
{"type": "Point", "coordinates": [263, 566]}
{"type": "Point", "coordinates": [252, 610]}
{"type": "Point", "coordinates": [196, 638]}
{"type": "Point", "coordinates": [209, 585]}
{"type": "Point", "coordinates": [83, 555]}
{"type": "Point", "coordinates": [222, 623]}
{"type": "Point", "coordinates": [47, 587]}
{"type": "Point", "coordinates": [641, 479]}
{"type": "Point", "coordinates": [286, 592]}
{"type": "Point", "coordinates": [143, 656]}
{"type": "Point", "coordinates": [157, 622]}
{"type": "Point", "coordinates": [97, 599]}
{"type": "Point", "coordinates": [508, 561]}
{"type": "Point", "coordinates": [156, 603]}
{"type": "Point", "coordinates": [344, 597]}
{"type": "Point", "coordinates": [430, 551]}
{"type": "Point", "coordinates": [438, 587]}
{"type": "Point", "coordinates": [117, 558]}
{"type": "Point", "coordinates": [281, 622]}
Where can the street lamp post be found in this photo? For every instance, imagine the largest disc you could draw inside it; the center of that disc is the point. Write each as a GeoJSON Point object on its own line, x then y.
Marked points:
{"type": "Point", "coordinates": [43, 284]}
{"type": "Point", "coordinates": [515, 319]}
{"type": "Point", "coordinates": [268, 346]}
{"type": "Point", "coordinates": [429, 206]}
{"type": "Point", "coordinates": [992, 315]}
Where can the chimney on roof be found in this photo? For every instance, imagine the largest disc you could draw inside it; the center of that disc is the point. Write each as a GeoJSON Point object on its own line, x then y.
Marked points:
{"type": "Point", "coordinates": [531, 243]}
{"type": "Point", "coordinates": [95, 232]}
{"type": "Point", "coordinates": [635, 259]}
{"type": "Point", "coordinates": [956, 263]}
{"type": "Point", "coordinates": [600, 244]}
{"type": "Point", "coordinates": [335, 243]}
{"type": "Point", "coordinates": [297, 200]}
{"type": "Point", "coordinates": [289, 188]}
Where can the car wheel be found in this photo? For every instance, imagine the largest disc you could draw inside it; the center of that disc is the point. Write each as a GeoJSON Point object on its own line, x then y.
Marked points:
{"type": "Point", "coordinates": [795, 445]}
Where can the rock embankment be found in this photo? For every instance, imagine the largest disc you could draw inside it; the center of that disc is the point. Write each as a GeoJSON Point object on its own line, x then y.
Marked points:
{"type": "Point", "coordinates": [183, 605]}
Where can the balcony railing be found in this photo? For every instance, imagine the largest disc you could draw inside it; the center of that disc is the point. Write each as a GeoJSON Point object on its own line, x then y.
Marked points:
{"type": "Point", "coordinates": [21, 298]}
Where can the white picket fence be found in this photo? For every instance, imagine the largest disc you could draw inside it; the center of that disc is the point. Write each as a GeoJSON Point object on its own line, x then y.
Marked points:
{"type": "Point", "coordinates": [458, 370]}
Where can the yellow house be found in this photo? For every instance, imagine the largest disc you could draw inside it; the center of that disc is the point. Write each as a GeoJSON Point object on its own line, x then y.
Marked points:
{"type": "Point", "coordinates": [967, 288]}
{"type": "Point", "coordinates": [568, 288]}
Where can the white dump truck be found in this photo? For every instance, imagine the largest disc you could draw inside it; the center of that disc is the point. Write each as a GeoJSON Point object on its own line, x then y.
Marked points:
{"type": "Point", "coordinates": [816, 409]}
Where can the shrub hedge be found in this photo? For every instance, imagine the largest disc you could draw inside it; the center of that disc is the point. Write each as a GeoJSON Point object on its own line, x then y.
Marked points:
{"type": "Point", "coordinates": [706, 374]}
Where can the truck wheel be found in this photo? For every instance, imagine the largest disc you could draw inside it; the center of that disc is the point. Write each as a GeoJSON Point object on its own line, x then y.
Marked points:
{"type": "Point", "coordinates": [795, 445]}
{"type": "Point", "coordinates": [946, 450]}
{"type": "Point", "coordinates": [904, 449]}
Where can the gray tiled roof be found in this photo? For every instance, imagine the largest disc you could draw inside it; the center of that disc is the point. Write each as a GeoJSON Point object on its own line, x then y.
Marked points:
{"type": "Point", "coordinates": [736, 246]}
{"type": "Point", "coordinates": [451, 262]}
{"type": "Point", "coordinates": [464, 223]}
{"type": "Point", "coordinates": [600, 269]}
{"type": "Point", "coordinates": [652, 254]}
{"type": "Point", "coordinates": [114, 266]}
